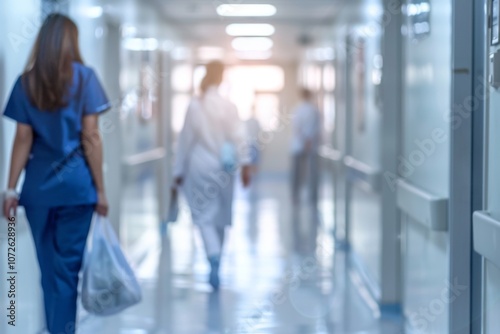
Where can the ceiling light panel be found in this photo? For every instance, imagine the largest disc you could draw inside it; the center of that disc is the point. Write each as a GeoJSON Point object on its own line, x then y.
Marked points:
{"type": "Point", "coordinates": [252, 43]}
{"type": "Point", "coordinates": [251, 29]}
{"type": "Point", "coordinates": [246, 10]}
{"type": "Point", "coordinates": [254, 55]}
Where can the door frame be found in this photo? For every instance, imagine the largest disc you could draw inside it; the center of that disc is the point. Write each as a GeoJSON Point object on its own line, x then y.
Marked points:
{"type": "Point", "coordinates": [467, 144]}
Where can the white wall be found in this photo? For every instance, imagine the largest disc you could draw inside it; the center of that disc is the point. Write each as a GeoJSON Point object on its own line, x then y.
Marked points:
{"type": "Point", "coordinates": [491, 273]}
{"type": "Point", "coordinates": [427, 105]}
{"type": "Point", "coordinates": [276, 146]}
{"type": "Point", "coordinates": [365, 134]}
{"type": "Point", "coordinates": [100, 48]}
{"type": "Point", "coordinates": [19, 23]}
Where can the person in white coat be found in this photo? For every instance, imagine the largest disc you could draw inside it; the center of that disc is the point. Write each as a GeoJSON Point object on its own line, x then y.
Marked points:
{"type": "Point", "coordinates": [304, 147]}
{"type": "Point", "coordinates": [254, 130]}
{"type": "Point", "coordinates": [212, 136]}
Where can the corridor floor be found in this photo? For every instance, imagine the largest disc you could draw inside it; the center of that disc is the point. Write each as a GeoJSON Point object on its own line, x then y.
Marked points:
{"type": "Point", "coordinates": [269, 283]}
{"type": "Point", "coordinates": [266, 286]}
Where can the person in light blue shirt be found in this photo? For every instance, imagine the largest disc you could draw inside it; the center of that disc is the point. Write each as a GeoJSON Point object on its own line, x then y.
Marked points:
{"type": "Point", "coordinates": [56, 103]}
{"type": "Point", "coordinates": [306, 138]}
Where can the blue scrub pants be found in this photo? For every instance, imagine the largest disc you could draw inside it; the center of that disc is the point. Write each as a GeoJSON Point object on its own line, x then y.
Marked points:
{"type": "Point", "coordinates": [60, 236]}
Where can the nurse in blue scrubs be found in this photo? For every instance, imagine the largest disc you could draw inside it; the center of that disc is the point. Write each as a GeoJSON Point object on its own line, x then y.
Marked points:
{"type": "Point", "coordinates": [56, 103]}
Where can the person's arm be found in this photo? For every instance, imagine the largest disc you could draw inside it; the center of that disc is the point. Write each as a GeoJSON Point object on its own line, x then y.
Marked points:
{"type": "Point", "coordinates": [20, 154]}
{"type": "Point", "coordinates": [92, 147]}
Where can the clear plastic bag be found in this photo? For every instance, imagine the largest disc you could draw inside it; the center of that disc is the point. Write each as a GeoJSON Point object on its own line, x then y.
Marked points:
{"type": "Point", "coordinates": [228, 157]}
{"type": "Point", "coordinates": [109, 285]}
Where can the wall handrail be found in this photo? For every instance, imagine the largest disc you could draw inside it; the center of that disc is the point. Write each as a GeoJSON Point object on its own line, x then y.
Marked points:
{"type": "Point", "coordinates": [330, 153]}
{"type": "Point", "coordinates": [486, 236]}
{"type": "Point", "coordinates": [360, 171]}
{"type": "Point", "coordinates": [428, 209]}
{"type": "Point", "coordinates": [153, 155]}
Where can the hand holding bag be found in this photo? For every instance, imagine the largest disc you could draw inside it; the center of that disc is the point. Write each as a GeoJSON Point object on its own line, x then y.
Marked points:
{"type": "Point", "coordinates": [228, 157]}
{"type": "Point", "coordinates": [109, 285]}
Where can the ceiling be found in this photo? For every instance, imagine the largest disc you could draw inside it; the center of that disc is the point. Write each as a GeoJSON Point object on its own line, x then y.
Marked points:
{"type": "Point", "coordinates": [295, 20]}
{"type": "Point", "coordinates": [298, 23]}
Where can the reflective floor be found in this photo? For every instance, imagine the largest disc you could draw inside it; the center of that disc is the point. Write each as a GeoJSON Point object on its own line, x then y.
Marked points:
{"type": "Point", "coordinates": [270, 284]}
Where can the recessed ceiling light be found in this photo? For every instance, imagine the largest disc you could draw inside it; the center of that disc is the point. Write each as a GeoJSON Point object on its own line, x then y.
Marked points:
{"type": "Point", "coordinates": [250, 29]}
{"type": "Point", "coordinates": [254, 55]}
{"type": "Point", "coordinates": [252, 43]}
{"type": "Point", "coordinates": [246, 10]}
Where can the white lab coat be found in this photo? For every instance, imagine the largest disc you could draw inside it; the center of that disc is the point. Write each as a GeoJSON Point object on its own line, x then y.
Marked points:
{"type": "Point", "coordinates": [210, 121]}
{"type": "Point", "coordinates": [253, 131]}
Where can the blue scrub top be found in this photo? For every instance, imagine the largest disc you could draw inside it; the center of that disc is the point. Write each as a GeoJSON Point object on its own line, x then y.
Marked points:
{"type": "Point", "coordinates": [57, 173]}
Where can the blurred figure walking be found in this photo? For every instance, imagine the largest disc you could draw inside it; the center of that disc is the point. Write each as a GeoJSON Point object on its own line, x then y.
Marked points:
{"type": "Point", "coordinates": [304, 148]}
{"type": "Point", "coordinates": [253, 131]}
{"type": "Point", "coordinates": [211, 145]}
{"type": "Point", "coordinates": [56, 104]}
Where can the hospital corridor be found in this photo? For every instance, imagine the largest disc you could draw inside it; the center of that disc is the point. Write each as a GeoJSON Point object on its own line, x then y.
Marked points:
{"type": "Point", "coordinates": [249, 166]}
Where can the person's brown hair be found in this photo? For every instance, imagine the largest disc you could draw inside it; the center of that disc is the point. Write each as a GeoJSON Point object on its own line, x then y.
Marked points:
{"type": "Point", "coordinates": [49, 73]}
{"type": "Point", "coordinates": [213, 77]}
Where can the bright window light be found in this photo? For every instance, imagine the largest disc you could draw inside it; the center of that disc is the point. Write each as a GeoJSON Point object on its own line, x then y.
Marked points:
{"type": "Point", "coordinates": [254, 55]}
{"type": "Point", "coordinates": [245, 86]}
{"type": "Point", "coordinates": [375, 10]}
{"type": "Point", "coordinates": [182, 78]}
{"type": "Point", "coordinates": [252, 43]}
{"type": "Point", "coordinates": [210, 53]}
{"type": "Point", "coordinates": [198, 75]}
{"type": "Point", "coordinates": [92, 12]}
{"type": "Point", "coordinates": [250, 29]}
{"type": "Point", "coordinates": [417, 9]}
{"type": "Point", "coordinates": [329, 78]}
{"type": "Point", "coordinates": [180, 104]}
{"type": "Point", "coordinates": [246, 10]}
{"type": "Point", "coordinates": [313, 77]}
{"type": "Point", "coordinates": [267, 111]}
{"type": "Point", "coordinates": [140, 44]}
